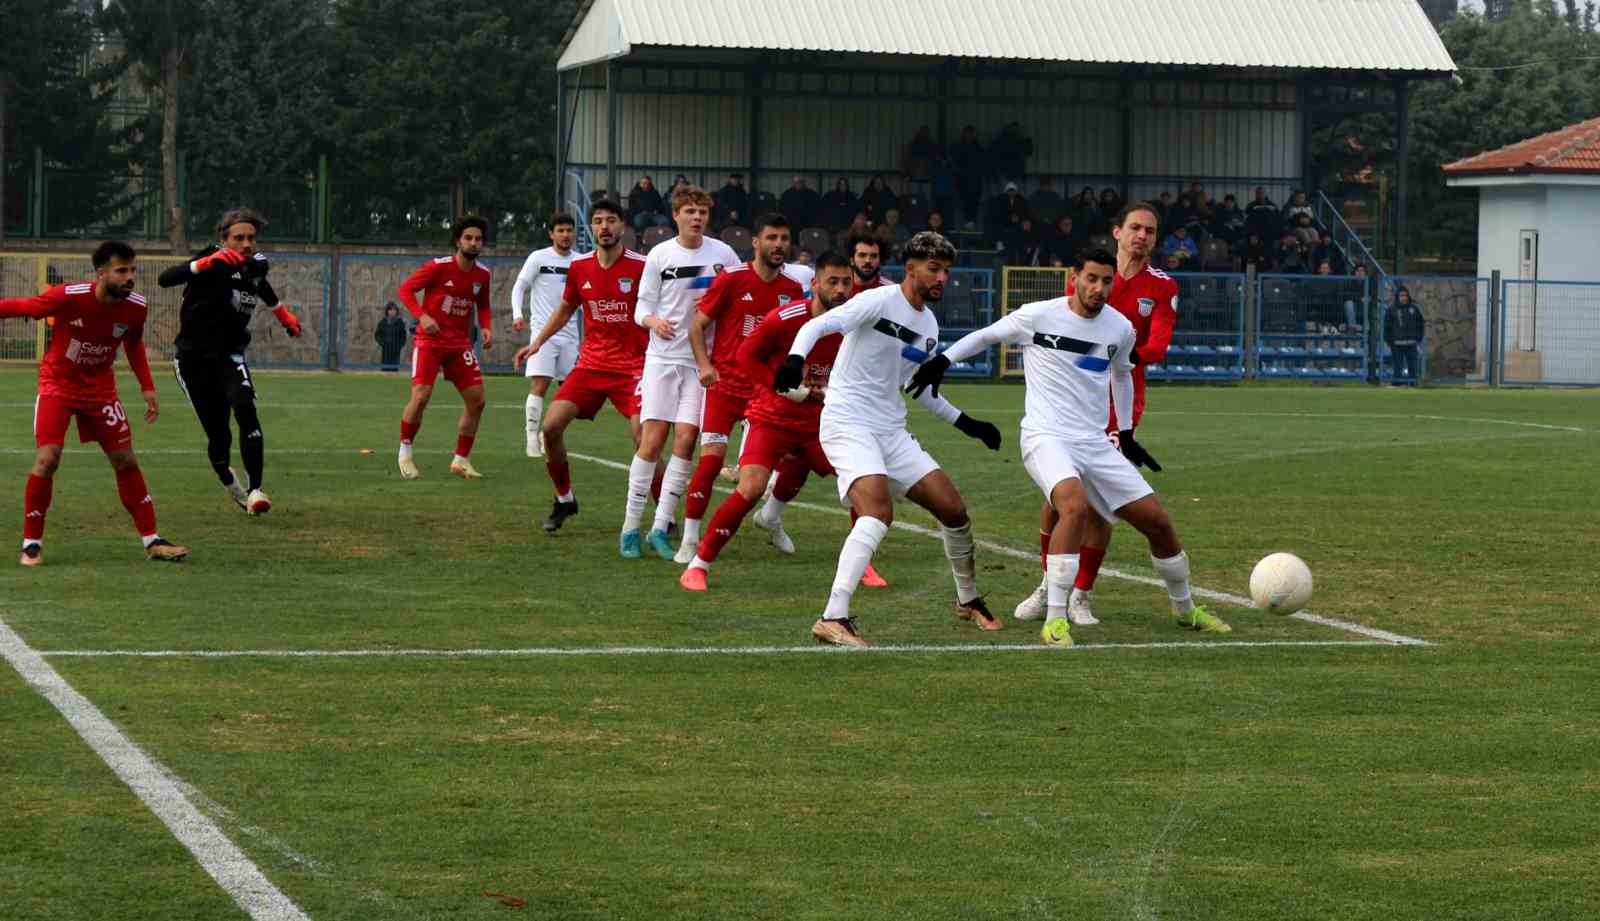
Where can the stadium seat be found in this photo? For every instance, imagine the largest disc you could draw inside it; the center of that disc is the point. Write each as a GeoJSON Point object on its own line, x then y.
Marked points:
{"type": "Point", "coordinates": [738, 238]}
{"type": "Point", "coordinates": [815, 239]}
{"type": "Point", "coordinates": [1281, 310]}
{"type": "Point", "coordinates": [1103, 241]}
{"type": "Point", "coordinates": [914, 211]}
{"type": "Point", "coordinates": [654, 235]}
{"type": "Point", "coordinates": [761, 203]}
{"type": "Point", "coordinates": [1216, 257]}
{"type": "Point", "coordinates": [630, 239]}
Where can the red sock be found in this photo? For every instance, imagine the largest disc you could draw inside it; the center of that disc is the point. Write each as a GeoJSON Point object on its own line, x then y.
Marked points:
{"type": "Point", "coordinates": [792, 473]}
{"type": "Point", "coordinates": [35, 503]}
{"type": "Point", "coordinates": [655, 483]}
{"type": "Point", "coordinates": [464, 444]}
{"type": "Point", "coordinates": [408, 431]}
{"type": "Point", "coordinates": [560, 475]}
{"type": "Point", "coordinates": [700, 486]}
{"type": "Point", "coordinates": [136, 499]}
{"type": "Point", "coordinates": [1044, 550]}
{"type": "Point", "coordinates": [724, 524]}
{"type": "Point", "coordinates": [1089, 560]}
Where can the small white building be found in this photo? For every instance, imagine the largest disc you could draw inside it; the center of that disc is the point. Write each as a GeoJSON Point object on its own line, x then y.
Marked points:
{"type": "Point", "coordinates": [1537, 201]}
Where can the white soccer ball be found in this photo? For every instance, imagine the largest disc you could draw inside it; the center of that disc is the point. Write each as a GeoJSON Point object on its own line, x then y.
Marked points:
{"type": "Point", "coordinates": [1281, 583]}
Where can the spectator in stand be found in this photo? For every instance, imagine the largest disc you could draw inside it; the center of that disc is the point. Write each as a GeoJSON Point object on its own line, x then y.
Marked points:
{"type": "Point", "coordinates": [1227, 222]}
{"type": "Point", "coordinates": [891, 235]}
{"type": "Point", "coordinates": [1403, 329]}
{"type": "Point", "coordinates": [943, 186]}
{"type": "Point", "coordinates": [646, 208]}
{"type": "Point", "coordinates": [1179, 244]}
{"type": "Point", "coordinates": [967, 159]}
{"type": "Point", "coordinates": [1201, 202]}
{"type": "Point", "coordinates": [1297, 206]}
{"type": "Point", "coordinates": [1086, 214]}
{"type": "Point", "coordinates": [1110, 204]}
{"type": "Point", "coordinates": [1353, 319]}
{"type": "Point", "coordinates": [877, 199]}
{"type": "Point", "coordinates": [1006, 212]}
{"type": "Point", "coordinates": [1325, 251]}
{"type": "Point", "coordinates": [920, 156]}
{"type": "Point", "coordinates": [801, 204]}
{"type": "Point", "coordinates": [1163, 205]}
{"type": "Point", "coordinates": [1292, 257]}
{"type": "Point", "coordinates": [1065, 241]}
{"type": "Point", "coordinates": [391, 336]}
{"type": "Point", "coordinates": [1183, 214]}
{"type": "Point", "coordinates": [859, 227]}
{"type": "Point", "coordinates": [839, 206]}
{"type": "Point", "coordinates": [1256, 253]}
{"type": "Point", "coordinates": [1172, 263]}
{"type": "Point", "coordinates": [1303, 231]}
{"type": "Point", "coordinates": [1262, 216]}
{"type": "Point", "coordinates": [1046, 204]}
{"type": "Point", "coordinates": [1011, 150]}
{"type": "Point", "coordinates": [1025, 245]}
{"type": "Point", "coordinates": [936, 222]}
{"type": "Point", "coordinates": [732, 202]}
{"type": "Point", "coordinates": [805, 257]}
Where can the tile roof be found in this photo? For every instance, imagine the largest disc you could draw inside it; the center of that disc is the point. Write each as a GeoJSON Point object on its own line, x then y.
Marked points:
{"type": "Point", "coordinates": [1573, 149]}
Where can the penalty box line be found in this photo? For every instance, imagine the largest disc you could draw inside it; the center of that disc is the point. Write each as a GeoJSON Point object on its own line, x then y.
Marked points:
{"type": "Point", "coordinates": [1386, 636]}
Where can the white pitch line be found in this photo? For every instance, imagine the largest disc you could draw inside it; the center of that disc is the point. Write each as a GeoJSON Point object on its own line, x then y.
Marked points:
{"type": "Point", "coordinates": [1386, 636]}
{"type": "Point", "coordinates": [583, 651]}
{"type": "Point", "coordinates": [155, 786]}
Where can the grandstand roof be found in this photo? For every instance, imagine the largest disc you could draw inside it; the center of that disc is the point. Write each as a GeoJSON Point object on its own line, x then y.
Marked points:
{"type": "Point", "coordinates": [1361, 35]}
{"type": "Point", "coordinates": [1573, 149]}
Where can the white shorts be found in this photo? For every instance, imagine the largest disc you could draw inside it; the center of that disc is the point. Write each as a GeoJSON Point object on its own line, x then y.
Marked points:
{"type": "Point", "coordinates": [1109, 480]}
{"type": "Point", "coordinates": [554, 359]}
{"type": "Point", "coordinates": [855, 453]}
{"type": "Point", "coordinates": [671, 393]}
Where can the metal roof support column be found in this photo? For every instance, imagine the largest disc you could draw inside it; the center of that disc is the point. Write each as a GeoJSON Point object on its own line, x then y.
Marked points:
{"type": "Point", "coordinates": [561, 140]}
{"type": "Point", "coordinates": [611, 132]}
{"type": "Point", "coordinates": [1126, 131]}
{"type": "Point", "coordinates": [1308, 177]}
{"type": "Point", "coordinates": [752, 89]}
{"type": "Point", "coordinates": [1402, 103]}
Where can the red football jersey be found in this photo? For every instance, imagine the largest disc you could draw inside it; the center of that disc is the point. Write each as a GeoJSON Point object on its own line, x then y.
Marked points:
{"type": "Point", "coordinates": [612, 342]}
{"type": "Point", "coordinates": [449, 296]}
{"type": "Point", "coordinates": [83, 348]}
{"type": "Point", "coordinates": [737, 300]}
{"type": "Point", "coordinates": [1150, 302]}
{"type": "Point", "coordinates": [856, 287]}
{"type": "Point", "coordinates": [766, 349]}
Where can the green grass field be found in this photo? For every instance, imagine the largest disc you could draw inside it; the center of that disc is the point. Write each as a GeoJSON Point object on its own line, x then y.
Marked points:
{"type": "Point", "coordinates": [1204, 780]}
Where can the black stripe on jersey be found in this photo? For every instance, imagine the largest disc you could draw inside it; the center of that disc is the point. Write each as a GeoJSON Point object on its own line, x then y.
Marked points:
{"type": "Point", "coordinates": [681, 272]}
{"type": "Point", "coordinates": [552, 270]}
{"type": "Point", "coordinates": [1064, 343]}
{"type": "Point", "coordinates": [904, 334]}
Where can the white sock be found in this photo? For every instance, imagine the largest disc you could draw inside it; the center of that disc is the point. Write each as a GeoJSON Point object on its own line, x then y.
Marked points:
{"type": "Point", "coordinates": [405, 450]}
{"type": "Point", "coordinates": [149, 539]}
{"type": "Point", "coordinates": [673, 483]}
{"type": "Point", "coordinates": [566, 497]}
{"type": "Point", "coordinates": [532, 409]}
{"type": "Point", "coordinates": [640, 473]}
{"type": "Point", "coordinates": [698, 563]}
{"type": "Point", "coordinates": [1059, 571]}
{"type": "Point", "coordinates": [28, 542]}
{"type": "Point", "coordinates": [963, 561]}
{"type": "Point", "coordinates": [458, 459]}
{"type": "Point", "coordinates": [1175, 572]}
{"type": "Point", "coordinates": [854, 558]}
{"type": "Point", "coordinates": [1079, 594]}
{"type": "Point", "coordinates": [772, 511]}
{"type": "Point", "coordinates": [691, 530]}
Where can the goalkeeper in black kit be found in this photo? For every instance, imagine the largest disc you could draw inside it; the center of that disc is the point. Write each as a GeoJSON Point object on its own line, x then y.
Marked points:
{"type": "Point", "coordinates": [224, 283]}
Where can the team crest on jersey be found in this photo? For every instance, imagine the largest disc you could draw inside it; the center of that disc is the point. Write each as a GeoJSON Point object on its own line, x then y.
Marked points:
{"type": "Point", "coordinates": [1146, 306]}
{"type": "Point", "coordinates": [783, 300]}
{"type": "Point", "coordinates": [625, 284]}
{"type": "Point", "coordinates": [930, 345]}
{"type": "Point", "coordinates": [716, 269]}
{"type": "Point", "coordinates": [477, 286]}
{"type": "Point", "coordinates": [1111, 351]}
{"type": "Point", "coordinates": [117, 329]}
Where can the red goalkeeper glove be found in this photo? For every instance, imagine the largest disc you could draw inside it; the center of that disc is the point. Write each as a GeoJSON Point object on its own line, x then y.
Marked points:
{"type": "Point", "coordinates": [291, 323]}
{"type": "Point", "coordinates": [222, 258]}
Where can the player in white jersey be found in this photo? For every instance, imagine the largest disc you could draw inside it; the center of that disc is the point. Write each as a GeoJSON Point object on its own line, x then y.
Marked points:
{"type": "Point", "coordinates": [1072, 344]}
{"type": "Point", "coordinates": [677, 274]}
{"type": "Point", "coordinates": [888, 332]}
{"type": "Point", "coordinates": [541, 281]}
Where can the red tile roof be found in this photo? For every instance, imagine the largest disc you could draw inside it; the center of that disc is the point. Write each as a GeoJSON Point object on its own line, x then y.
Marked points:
{"type": "Point", "coordinates": [1573, 149]}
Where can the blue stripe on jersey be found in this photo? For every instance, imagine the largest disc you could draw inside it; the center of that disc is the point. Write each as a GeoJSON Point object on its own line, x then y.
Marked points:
{"type": "Point", "coordinates": [1091, 363]}
{"type": "Point", "coordinates": [703, 281]}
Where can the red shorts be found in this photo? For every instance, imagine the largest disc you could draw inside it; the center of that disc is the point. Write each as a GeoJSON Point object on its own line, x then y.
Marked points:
{"type": "Point", "coordinates": [721, 411]}
{"type": "Point", "coordinates": [460, 366]}
{"type": "Point", "coordinates": [100, 419]}
{"type": "Point", "coordinates": [765, 445]}
{"type": "Point", "coordinates": [589, 390]}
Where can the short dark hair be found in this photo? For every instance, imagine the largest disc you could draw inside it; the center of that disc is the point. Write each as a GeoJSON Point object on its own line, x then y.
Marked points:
{"type": "Point", "coordinates": [462, 224]}
{"type": "Point", "coordinates": [109, 250]}
{"type": "Point", "coordinates": [1130, 207]}
{"type": "Point", "coordinates": [562, 217]}
{"type": "Point", "coordinates": [857, 239]}
{"type": "Point", "coordinates": [830, 260]}
{"type": "Point", "coordinates": [234, 216]}
{"type": "Point", "coordinates": [605, 204]}
{"type": "Point", "coordinates": [771, 219]}
{"type": "Point", "coordinates": [1096, 254]}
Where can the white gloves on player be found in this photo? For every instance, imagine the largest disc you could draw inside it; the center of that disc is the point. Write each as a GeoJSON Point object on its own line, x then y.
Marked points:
{"type": "Point", "coordinates": [802, 394]}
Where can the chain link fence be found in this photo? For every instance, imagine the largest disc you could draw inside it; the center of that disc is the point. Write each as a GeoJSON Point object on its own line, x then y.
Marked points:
{"type": "Point", "coordinates": [1549, 333]}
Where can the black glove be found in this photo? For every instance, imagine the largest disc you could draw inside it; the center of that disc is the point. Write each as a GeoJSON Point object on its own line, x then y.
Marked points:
{"type": "Point", "coordinates": [790, 374]}
{"type": "Point", "coordinates": [929, 374]}
{"type": "Point", "coordinates": [1133, 357]}
{"type": "Point", "coordinates": [1135, 452]}
{"type": "Point", "coordinates": [979, 429]}
{"type": "Point", "coordinates": [257, 267]}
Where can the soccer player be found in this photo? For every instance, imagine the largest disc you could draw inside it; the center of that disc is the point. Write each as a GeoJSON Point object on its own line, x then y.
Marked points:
{"type": "Point", "coordinates": [782, 425]}
{"type": "Point", "coordinates": [452, 288]}
{"type": "Point", "coordinates": [887, 333]}
{"type": "Point", "coordinates": [605, 285]}
{"type": "Point", "coordinates": [1148, 297]}
{"type": "Point", "coordinates": [541, 282]}
{"type": "Point", "coordinates": [78, 380]}
{"type": "Point", "coordinates": [223, 283]}
{"type": "Point", "coordinates": [736, 302]}
{"type": "Point", "coordinates": [678, 272]}
{"type": "Point", "coordinates": [866, 258]}
{"type": "Point", "coordinates": [1073, 346]}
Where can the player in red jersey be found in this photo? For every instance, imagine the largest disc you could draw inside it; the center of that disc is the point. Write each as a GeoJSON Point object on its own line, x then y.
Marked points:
{"type": "Point", "coordinates": [737, 300]}
{"type": "Point", "coordinates": [78, 380]}
{"type": "Point", "coordinates": [452, 288]}
{"type": "Point", "coordinates": [866, 258]}
{"type": "Point", "coordinates": [782, 426]}
{"type": "Point", "coordinates": [1148, 297]}
{"type": "Point", "coordinates": [605, 284]}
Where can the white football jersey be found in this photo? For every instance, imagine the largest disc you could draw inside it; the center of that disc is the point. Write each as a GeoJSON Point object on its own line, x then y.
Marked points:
{"type": "Point", "coordinates": [885, 339]}
{"type": "Point", "coordinates": [802, 274]}
{"type": "Point", "coordinates": [541, 282]}
{"type": "Point", "coordinates": [675, 278]}
{"type": "Point", "coordinates": [1067, 363]}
